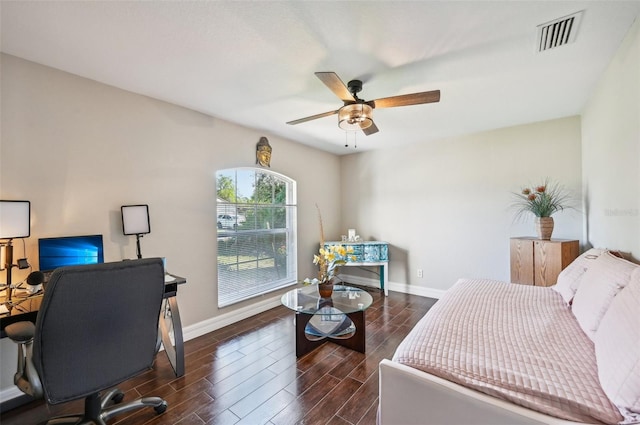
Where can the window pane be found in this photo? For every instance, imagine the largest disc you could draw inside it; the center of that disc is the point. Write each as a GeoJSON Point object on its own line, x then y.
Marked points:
{"type": "Point", "coordinates": [245, 184]}
{"type": "Point", "coordinates": [279, 217]}
{"type": "Point", "coordinates": [256, 233]}
{"type": "Point", "coordinates": [226, 186]}
{"type": "Point", "coordinates": [270, 189]}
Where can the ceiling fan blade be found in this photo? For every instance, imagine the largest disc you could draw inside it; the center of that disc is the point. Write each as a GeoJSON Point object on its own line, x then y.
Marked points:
{"type": "Point", "coordinates": [312, 117]}
{"type": "Point", "coordinates": [407, 99]}
{"type": "Point", "coordinates": [335, 84]}
{"type": "Point", "coordinates": [372, 129]}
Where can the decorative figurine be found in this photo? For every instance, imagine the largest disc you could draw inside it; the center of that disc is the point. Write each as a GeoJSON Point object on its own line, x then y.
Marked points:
{"type": "Point", "coordinates": [263, 152]}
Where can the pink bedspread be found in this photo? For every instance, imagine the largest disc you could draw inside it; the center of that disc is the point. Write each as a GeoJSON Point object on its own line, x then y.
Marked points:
{"type": "Point", "coordinates": [515, 342]}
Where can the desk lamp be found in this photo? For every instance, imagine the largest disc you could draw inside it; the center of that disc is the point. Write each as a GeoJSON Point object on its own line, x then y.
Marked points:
{"type": "Point", "coordinates": [135, 221]}
{"type": "Point", "coordinates": [15, 218]}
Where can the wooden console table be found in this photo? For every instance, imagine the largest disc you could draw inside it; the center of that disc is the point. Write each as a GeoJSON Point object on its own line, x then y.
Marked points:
{"type": "Point", "coordinates": [369, 253]}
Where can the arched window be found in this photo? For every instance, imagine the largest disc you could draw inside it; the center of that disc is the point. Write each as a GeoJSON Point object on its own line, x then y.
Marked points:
{"type": "Point", "coordinates": [256, 229]}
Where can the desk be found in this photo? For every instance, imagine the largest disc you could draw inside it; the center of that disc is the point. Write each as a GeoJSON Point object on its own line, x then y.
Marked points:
{"type": "Point", "coordinates": [25, 308]}
{"type": "Point", "coordinates": [369, 253]}
{"type": "Point", "coordinates": [170, 324]}
{"type": "Point", "coordinates": [170, 332]}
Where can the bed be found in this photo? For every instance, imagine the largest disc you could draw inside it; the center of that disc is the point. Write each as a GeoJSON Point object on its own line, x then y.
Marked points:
{"type": "Point", "coordinates": [492, 352]}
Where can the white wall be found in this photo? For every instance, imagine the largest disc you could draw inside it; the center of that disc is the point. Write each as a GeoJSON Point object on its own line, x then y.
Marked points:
{"type": "Point", "coordinates": [444, 206]}
{"type": "Point", "coordinates": [78, 150]}
{"type": "Point", "coordinates": [611, 153]}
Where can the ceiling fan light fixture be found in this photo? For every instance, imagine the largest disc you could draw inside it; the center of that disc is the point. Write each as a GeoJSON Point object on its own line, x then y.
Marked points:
{"type": "Point", "coordinates": [356, 116]}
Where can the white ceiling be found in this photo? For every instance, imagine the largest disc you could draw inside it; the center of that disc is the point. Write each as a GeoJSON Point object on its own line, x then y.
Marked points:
{"type": "Point", "coordinates": [253, 62]}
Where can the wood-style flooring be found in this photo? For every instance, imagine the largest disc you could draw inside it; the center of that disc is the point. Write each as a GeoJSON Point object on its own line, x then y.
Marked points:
{"type": "Point", "coordinates": [247, 373]}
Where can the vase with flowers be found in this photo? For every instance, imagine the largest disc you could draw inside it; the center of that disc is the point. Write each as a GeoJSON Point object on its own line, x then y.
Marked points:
{"type": "Point", "coordinates": [329, 259]}
{"type": "Point", "coordinates": [542, 201]}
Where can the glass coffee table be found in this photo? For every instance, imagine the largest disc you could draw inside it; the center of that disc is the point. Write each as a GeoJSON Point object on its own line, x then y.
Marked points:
{"type": "Point", "coordinates": [339, 318]}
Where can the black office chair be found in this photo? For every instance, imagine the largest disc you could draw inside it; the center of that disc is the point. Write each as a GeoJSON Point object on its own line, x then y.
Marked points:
{"type": "Point", "coordinates": [97, 327]}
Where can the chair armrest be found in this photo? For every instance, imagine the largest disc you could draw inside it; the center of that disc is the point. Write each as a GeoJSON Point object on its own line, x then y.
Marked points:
{"type": "Point", "coordinates": [21, 332]}
{"type": "Point", "coordinates": [26, 378]}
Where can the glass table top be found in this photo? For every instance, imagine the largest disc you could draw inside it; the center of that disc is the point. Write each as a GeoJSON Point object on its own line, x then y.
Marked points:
{"type": "Point", "coordinates": [345, 299]}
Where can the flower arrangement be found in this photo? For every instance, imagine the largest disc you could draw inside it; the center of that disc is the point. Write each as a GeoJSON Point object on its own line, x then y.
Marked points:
{"type": "Point", "coordinates": [328, 259]}
{"type": "Point", "coordinates": [542, 200]}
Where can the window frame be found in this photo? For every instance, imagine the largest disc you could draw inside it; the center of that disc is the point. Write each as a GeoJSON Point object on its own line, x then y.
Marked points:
{"type": "Point", "coordinates": [243, 237]}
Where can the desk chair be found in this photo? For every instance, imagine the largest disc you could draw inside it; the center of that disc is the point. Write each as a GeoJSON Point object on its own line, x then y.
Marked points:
{"type": "Point", "coordinates": [97, 327]}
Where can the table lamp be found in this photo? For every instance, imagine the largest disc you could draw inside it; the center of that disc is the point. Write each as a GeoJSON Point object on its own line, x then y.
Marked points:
{"type": "Point", "coordinates": [15, 222]}
{"type": "Point", "coordinates": [135, 221]}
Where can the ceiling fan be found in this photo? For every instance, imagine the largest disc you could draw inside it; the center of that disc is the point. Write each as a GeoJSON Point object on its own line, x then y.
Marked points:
{"type": "Point", "coordinates": [356, 113]}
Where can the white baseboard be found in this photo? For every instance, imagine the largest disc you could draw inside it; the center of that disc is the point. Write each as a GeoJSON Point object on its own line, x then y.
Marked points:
{"type": "Point", "coordinates": [417, 290]}
{"type": "Point", "coordinates": [9, 393]}
{"type": "Point", "coordinates": [226, 319]}
{"type": "Point", "coordinates": [393, 286]}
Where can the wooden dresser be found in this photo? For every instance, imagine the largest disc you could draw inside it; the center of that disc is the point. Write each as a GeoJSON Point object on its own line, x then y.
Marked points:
{"type": "Point", "coordinates": [539, 262]}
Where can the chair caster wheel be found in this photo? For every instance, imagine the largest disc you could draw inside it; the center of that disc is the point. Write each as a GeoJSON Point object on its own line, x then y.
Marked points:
{"type": "Point", "coordinates": [161, 408]}
{"type": "Point", "coordinates": [117, 398]}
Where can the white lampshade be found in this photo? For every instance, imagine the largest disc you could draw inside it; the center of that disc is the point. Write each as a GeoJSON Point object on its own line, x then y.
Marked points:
{"type": "Point", "coordinates": [135, 219]}
{"type": "Point", "coordinates": [15, 218]}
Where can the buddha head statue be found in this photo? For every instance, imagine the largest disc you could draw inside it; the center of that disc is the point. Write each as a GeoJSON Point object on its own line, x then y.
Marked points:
{"type": "Point", "coordinates": [263, 152]}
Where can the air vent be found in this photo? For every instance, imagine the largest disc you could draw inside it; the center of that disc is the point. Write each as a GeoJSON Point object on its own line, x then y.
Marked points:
{"type": "Point", "coordinates": [558, 32]}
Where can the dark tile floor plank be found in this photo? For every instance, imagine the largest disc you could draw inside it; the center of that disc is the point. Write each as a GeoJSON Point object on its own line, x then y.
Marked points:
{"type": "Point", "coordinates": [356, 407]}
{"type": "Point", "coordinates": [272, 406]}
{"type": "Point", "coordinates": [180, 402]}
{"type": "Point", "coordinates": [263, 393]}
{"type": "Point", "coordinates": [332, 402]}
{"type": "Point", "coordinates": [192, 419]}
{"type": "Point", "coordinates": [295, 411]}
{"type": "Point", "coordinates": [225, 418]}
{"type": "Point", "coordinates": [371, 415]}
{"type": "Point", "coordinates": [337, 420]}
{"type": "Point", "coordinates": [231, 397]}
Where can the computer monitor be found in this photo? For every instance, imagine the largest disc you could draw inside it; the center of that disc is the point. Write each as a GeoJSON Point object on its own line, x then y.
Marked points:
{"type": "Point", "coordinates": [70, 251]}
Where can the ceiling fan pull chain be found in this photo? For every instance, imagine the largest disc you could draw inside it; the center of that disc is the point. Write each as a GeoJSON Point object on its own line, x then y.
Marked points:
{"type": "Point", "coordinates": [355, 139]}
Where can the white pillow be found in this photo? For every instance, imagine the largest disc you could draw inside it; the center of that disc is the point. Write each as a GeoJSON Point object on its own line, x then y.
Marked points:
{"type": "Point", "coordinates": [617, 344]}
{"type": "Point", "coordinates": [606, 276]}
{"type": "Point", "coordinates": [569, 278]}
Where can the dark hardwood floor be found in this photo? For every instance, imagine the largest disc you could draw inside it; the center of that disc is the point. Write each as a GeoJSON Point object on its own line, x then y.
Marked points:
{"type": "Point", "coordinates": [247, 373]}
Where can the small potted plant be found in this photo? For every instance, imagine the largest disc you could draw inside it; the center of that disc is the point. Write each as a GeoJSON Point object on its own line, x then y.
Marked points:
{"type": "Point", "coordinates": [542, 201]}
{"type": "Point", "coordinates": [328, 260]}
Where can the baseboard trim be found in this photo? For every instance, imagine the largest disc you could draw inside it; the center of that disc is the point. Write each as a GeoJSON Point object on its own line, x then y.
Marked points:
{"type": "Point", "coordinates": [417, 290]}
{"type": "Point", "coordinates": [12, 397]}
{"type": "Point", "coordinates": [226, 319]}
{"type": "Point", "coordinates": [393, 286]}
